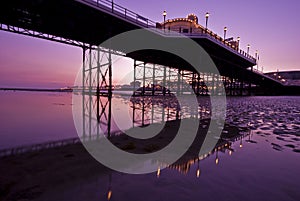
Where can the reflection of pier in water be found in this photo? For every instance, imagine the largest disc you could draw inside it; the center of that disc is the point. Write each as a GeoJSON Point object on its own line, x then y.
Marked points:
{"type": "Point", "coordinates": [145, 110]}
{"type": "Point", "coordinates": [97, 110]}
{"type": "Point", "coordinates": [154, 109]}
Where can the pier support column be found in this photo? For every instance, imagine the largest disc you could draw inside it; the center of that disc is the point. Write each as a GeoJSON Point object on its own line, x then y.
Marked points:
{"type": "Point", "coordinates": [153, 80]}
{"type": "Point", "coordinates": [178, 82]}
{"type": "Point", "coordinates": [164, 80]}
{"type": "Point", "coordinates": [198, 84]}
{"type": "Point", "coordinates": [96, 91]}
{"type": "Point", "coordinates": [134, 77]}
{"type": "Point", "coordinates": [242, 87]}
{"type": "Point", "coordinates": [250, 87]}
{"type": "Point", "coordinates": [169, 81]}
{"type": "Point", "coordinates": [144, 79]}
{"type": "Point", "coordinates": [231, 86]}
{"type": "Point", "coordinates": [83, 93]}
{"type": "Point", "coordinates": [213, 77]}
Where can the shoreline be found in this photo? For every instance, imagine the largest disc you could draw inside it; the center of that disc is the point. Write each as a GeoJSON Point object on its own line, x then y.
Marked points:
{"type": "Point", "coordinates": [35, 90]}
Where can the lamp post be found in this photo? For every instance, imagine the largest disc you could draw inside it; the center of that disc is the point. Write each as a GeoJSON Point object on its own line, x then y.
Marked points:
{"type": "Point", "coordinates": [206, 19]}
{"type": "Point", "coordinates": [164, 14]}
{"type": "Point", "coordinates": [256, 57]}
{"type": "Point", "coordinates": [238, 42]}
{"type": "Point", "coordinates": [248, 48]}
{"type": "Point", "coordinates": [225, 30]}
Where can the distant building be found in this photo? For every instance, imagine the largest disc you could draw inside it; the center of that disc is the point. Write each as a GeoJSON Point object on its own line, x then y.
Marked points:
{"type": "Point", "coordinates": [291, 78]}
{"type": "Point", "coordinates": [125, 86]}
{"type": "Point", "coordinates": [135, 85]}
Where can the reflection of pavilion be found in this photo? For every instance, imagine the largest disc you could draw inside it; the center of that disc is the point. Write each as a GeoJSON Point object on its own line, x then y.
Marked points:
{"type": "Point", "coordinates": [185, 163]}
{"type": "Point", "coordinates": [224, 145]}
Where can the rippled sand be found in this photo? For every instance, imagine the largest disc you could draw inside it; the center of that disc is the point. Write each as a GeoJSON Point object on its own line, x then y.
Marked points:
{"type": "Point", "coordinates": [276, 116]}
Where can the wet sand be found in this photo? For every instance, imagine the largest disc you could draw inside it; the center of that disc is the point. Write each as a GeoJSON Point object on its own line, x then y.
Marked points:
{"type": "Point", "coordinates": [29, 176]}
{"type": "Point", "coordinates": [276, 118]}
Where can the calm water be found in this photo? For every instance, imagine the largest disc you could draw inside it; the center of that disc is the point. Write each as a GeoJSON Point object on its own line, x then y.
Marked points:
{"type": "Point", "coordinates": [30, 117]}
{"type": "Point", "coordinates": [262, 166]}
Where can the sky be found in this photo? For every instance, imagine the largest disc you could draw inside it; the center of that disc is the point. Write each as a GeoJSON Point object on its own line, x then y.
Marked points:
{"type": "Point", "coordinates": [271, 27]}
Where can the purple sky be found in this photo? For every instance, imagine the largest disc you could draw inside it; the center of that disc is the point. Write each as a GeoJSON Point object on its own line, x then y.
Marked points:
{"type": "Point", "coordinates": [271, 27]}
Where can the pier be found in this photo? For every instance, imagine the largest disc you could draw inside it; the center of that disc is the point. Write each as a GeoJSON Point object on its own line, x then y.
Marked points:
{"type": "Point", "coordinates": [87, 23]}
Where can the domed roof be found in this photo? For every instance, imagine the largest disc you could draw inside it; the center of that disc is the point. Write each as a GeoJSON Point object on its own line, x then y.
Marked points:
{"type": "Point", "coordinates": [192, 17]}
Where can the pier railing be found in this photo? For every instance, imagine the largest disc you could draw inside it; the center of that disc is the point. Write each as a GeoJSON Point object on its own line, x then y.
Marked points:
{"type": "Point", "coordinates": [122, 12]}
{"type": "Point", "coordinates": [212, 36]}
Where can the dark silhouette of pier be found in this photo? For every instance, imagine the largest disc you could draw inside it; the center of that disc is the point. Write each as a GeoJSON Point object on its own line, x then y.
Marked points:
{"type": "Point", "coordinates": [87, 23]}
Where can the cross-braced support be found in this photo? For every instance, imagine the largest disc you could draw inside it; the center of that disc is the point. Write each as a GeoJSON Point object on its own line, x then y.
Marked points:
{"type": "Point", "coordinates": [161, 80]}
{"type": "Point", "coordinates": [96, 91]}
